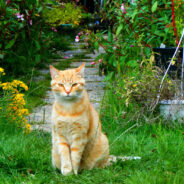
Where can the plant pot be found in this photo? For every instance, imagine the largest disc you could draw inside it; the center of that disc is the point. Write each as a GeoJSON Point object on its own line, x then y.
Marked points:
{"type": "Point", "coordinates": [172, 109]}
{"type": "Point", "coordinates": [163, 57]}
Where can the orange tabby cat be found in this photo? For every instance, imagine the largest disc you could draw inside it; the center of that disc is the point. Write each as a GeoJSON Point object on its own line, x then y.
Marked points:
{"type": "Point", "coordinates": [77, 138]}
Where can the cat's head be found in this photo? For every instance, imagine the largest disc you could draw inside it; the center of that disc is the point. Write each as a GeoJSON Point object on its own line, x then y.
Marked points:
{"type": "Point", "coordinates": [68, 84]}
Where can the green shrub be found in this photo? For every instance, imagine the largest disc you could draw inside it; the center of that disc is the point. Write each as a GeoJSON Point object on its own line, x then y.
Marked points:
{"type": "Point", "coordinates": [67, 13]}
{"type": "Point", "coordinates": [25, 39]}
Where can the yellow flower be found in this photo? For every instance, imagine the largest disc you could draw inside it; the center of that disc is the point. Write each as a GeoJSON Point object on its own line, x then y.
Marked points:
{"type": "Point", "coordinates": [2, 71]}
{"type": "Point", "coordinates": [173, 62]}
{"type": "Point", "coordinates": [17, 83]}
{"type": "Point", "coordinates": [169, 81]}
{"type": "Point", "coordinates": [75, 22]}
{"type": "Point", "coordinates": [24, 86]}
{"type": "Point", "coordinates": [15, 108]}
{"type": "Point", "coordinates": [37, 15]}
{"type": "Point", "coordinates": [134, 85]}
{"type": "Point", "coordinates": [28, 128]}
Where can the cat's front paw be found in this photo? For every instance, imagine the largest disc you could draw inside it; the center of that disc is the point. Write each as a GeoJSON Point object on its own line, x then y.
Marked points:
{"type": "Point", "coordinates": [66, 170]}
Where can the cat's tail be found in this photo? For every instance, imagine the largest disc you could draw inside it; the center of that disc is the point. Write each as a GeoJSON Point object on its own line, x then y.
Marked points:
{"type": "Point", "coordinates": [113, 158]}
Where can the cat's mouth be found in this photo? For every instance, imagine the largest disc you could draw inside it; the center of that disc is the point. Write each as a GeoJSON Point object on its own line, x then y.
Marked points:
{"type": "Point", "coordinates": [69, 97]}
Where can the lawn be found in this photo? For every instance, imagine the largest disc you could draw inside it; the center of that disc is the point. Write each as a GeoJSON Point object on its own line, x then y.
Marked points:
{"type": "Point", "coordinates": [27, 157]}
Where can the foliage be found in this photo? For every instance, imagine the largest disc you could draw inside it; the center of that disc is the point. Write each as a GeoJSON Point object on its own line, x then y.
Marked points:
{"type": "Point", "coordinates": [179, 14]}
{"type": "Point", "coordinates": [26, 41]}
{"type": "Point", "coordinates": [62, 13]}
{"type": "Point", "coordinates": [122, 54]}
{"type": "Point", "coordinates": [12, 104]}
{"type": "Point", "coordinates": [138, 26]}
{"type": "Point", "coordinates": [143, 86]}
{"type": "Point", "coordinates": [23, 38]}
{"type": "Point", "coordinates": [148, 20]}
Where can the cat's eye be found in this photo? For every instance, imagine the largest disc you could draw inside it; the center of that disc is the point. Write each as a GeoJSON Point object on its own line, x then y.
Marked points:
{"type": "Point", "coordinates": [75, 84]}
{"type": "Point", "coordinates": [60, 84]}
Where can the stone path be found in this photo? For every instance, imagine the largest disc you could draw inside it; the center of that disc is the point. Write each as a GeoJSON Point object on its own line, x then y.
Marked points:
{"type": "Point", "coordinates": [94, 85]}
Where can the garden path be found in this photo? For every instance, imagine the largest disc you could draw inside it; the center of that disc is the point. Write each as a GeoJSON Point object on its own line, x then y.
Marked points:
{"type": "Point", "coordinates": [94, 85]}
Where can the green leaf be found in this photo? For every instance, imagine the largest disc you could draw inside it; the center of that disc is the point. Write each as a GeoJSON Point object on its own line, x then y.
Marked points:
{"type": "Point", "coordinates": [10, 44]}
{"type": "Point", "coordinates": [110, 37]}
{"type": "Point", "coordinates": [119, 29]}
{"type": "Point", "coordinates": [96, 45]}
{"type": "Point", "coordinates": [37, 58]}
{"type": "Point", "coordinates": [37, 45]}
{"type": "Point", "coordinates": [109, 76]}
{"type": "Point", "coordinates": [40, 9]}
{"type": "Point", "coordinates": [1, 56]}
{"type": "Point", "coordinates": [132, 63]}
{"type": "Point", "coordinates": [22, 58]}
{"type": "Point", "coordinates": [154, 7]}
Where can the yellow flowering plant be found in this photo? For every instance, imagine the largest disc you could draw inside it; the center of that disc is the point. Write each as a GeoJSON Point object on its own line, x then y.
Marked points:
{"type": "Point", "coordinates": [13, 103]}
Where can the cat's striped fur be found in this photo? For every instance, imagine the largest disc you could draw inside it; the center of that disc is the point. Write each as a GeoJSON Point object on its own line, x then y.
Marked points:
{"type": "Point", "coordinates": [77, 138]}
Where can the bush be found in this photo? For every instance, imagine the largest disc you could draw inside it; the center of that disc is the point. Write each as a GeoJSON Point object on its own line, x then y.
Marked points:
{"type": "Point", "coordinates": [26, 41]}
{"type": "Point", "coordinates": [63, 13]}
{"type": "Point", "coordinates": [12, 103]}
{"type": "Point", "coordinates": [23, 36]}
{"type": "Point", "coordinates": [142, 87]}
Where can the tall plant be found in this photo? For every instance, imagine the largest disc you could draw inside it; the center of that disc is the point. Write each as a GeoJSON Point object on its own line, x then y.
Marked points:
{"type": "Point", "coordinates": [23, 42]}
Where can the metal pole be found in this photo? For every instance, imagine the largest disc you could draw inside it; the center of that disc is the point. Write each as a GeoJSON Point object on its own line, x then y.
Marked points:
{"type": "Point", "coordinates": [182, 71]}
{"type": "Point", "coordinates": [101, 4]}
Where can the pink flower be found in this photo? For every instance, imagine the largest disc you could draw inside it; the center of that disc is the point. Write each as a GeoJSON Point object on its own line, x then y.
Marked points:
{"type": "Point", "coordinates": [79, 33]}
{"type": "Point", "coordinates": [93, 63]}
{"type": "Point", "coordinates": [131, 45]}
{"type": "Point", "coordinates": [86, 39]}
{"type": "Point", "coordinates": [65, 57]}
{"type": "Point", "coordinates": [100, 60]}
{"type": "Point", "coordinates": [31, 22]}
{"type": "Point", "coordinates": [123, 8]}
{"type": "Point", "coordinates": [19, 16]}
{"type": "Point", "coordinates": [7, 2]}
{"type": "Point", "coordinates": [77, 39]}
{"type": "Point", "coordinates": [54, 29]}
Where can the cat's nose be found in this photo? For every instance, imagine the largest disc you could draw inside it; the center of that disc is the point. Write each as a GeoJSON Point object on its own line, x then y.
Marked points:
{"type": "Point", "coordinates": [67, 92]}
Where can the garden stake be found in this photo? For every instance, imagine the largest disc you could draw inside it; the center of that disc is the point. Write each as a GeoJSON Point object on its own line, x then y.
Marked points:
{"type": "Point", "coordinates": [182, 71]}
{"type": "Point", "coordinates": [160, 87]}
{"type": "Point", "coordinates": [174, 25]}
{"type": "Point", "coordinates": [123, 133]}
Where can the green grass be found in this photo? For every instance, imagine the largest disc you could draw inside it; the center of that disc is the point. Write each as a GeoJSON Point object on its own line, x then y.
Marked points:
{"type": "Point", "coordinates": [27, 157]}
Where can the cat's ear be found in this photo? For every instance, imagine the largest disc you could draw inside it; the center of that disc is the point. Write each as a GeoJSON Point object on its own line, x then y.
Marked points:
{"type": "Point", "coordinates": [80, 70]}
{"type": "Point", "coordinates": [53, 72]}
